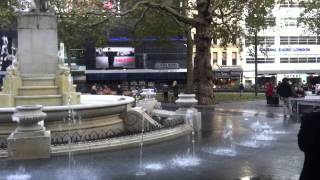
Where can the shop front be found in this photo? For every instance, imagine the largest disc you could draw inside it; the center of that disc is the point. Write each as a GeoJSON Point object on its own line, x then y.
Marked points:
{"type": "Point", "coordinates": [294, 78]}
{"type": "Point", "coordinates": [227, 78]}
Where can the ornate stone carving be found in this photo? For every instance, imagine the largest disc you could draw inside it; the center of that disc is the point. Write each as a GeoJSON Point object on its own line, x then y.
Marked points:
{"type": "Point", "coordinates": [28, 118]}
{"type": "Point", "coordinates": [13, 69]}
{"type": "Point", "coordinates": [40, 5]}
{"type": "Point", "coordinates": [30, 140]}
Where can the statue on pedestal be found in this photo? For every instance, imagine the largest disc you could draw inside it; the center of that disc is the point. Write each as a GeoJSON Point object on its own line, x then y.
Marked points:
{"type": "Point", "coordinates": [40, 6]}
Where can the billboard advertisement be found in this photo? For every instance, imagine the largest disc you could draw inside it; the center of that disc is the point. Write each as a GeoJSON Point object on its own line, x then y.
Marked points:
{"type": "Point", "coordinates": [115, 57]}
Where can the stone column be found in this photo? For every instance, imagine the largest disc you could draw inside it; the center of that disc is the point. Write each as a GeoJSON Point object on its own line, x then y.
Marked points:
{"type": "Point", "coordinates": [38, 44]}
{"type": "Point", "coordinates": [30, 140]}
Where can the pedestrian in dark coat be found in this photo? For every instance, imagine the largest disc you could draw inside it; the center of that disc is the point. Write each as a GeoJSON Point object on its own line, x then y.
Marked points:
{"type": "Point", "coordinates": [285, 91]}
{"type": "Point", "coordinates": [165, 93]}
{"type": "Point", "coordinates": [175, 89]}
{"type": "Point", "coordinates": [309, 143]}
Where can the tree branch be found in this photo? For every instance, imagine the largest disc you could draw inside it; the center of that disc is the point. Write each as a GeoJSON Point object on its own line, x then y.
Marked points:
{"type": "Point", "coordinates": [140, 18]}
{"type": "Point", "coordinates": [167, 9]}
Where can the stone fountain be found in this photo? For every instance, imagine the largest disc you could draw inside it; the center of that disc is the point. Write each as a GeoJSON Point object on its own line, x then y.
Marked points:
{"type": "Point", "coordinates": [98, 122]}
{"type": "Point", "coordinates": [36, 76]}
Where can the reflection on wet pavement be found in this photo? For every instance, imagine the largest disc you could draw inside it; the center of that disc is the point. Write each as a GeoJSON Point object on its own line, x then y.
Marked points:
{"type": "Point", "coordinates": [250, 158]}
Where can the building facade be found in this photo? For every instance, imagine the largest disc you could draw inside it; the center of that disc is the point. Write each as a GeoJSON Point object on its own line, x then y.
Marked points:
{"type": "Point", "coordinates": [226, 63]}
{"type": "Point", "coordinates": [285, 50]}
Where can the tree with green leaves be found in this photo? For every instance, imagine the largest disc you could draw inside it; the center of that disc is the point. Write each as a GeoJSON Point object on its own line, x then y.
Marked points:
{"type": "Point", "coordinates": [8, 13]}
{"type": "Point", "coordinates": [258, 17]}
{"type": "Point", "coordinates": [310, 16]}
{"type": "Point", "coordinates": [150, 22]}
{"type": "Point", "coordinates": [210, 19]}
{"type": "Point", "coordinates": [77, 23]}
{"type": "Point", "coordinates": [77, 20]}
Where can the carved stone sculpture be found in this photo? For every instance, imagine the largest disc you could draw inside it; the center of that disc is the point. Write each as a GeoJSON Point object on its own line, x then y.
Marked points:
{"type": "Point", "coordinates": [40, 5]}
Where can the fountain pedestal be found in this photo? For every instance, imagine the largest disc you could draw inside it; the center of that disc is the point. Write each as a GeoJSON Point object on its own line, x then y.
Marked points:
{"type": "Point", "coordinates": [185, 102]}
{"type": "Point", "coordinates": [37, 77]}
{"type": "Point", "coordinates": [30, 140]}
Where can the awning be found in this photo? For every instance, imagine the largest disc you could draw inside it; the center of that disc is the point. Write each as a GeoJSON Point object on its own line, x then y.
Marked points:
{"type": "Point", "coordinates": [228, 72]}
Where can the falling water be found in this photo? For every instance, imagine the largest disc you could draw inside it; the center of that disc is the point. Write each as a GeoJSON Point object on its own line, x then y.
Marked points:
{"type": "Point", "coordinates": [261, 132]}
{"type": "Point", "coordinates": [71, 120]}
{"type": "Point", "coordinates": [141, 171]}
{"type": "Point", "coordinates": [189, 159]}
{"type": "Point", "coordinates": [19, 175]}
{"type": "Point", "coordinates": [154, 166]}
{"type": "Point", "coordinates": [260, 136]}
{"type": "Point", "coordinates": [227, 139]}
{"type": "Point", "coordinates": [190, 114]}
{"type": "Point", "coordinates": [185, 161]}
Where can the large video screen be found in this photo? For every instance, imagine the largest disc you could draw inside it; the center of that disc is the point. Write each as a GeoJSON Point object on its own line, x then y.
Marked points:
{"type": "Point", "coordinates": [115, 57]}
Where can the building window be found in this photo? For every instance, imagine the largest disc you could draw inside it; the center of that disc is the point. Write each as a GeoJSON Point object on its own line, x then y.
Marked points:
{"type": "Point", "coordinates": [270, 21]}
{"type": "Point", "coordinates": [224, 58]}
{"type": "Point", "coordinates": [303, 40]}
{"type": "Point", "coordinates": [284, 40]}
{"type": "Point", "coordinates": [269, 60]}
{"type": "Point", "coordinates": [292, 4]}
{"type": "Point", "coordinates": [284, 60]}
{"type": "Point", "coordinates": [214, 57]}
{"type": "Point", "coordinates": [249, 60]}
{"type": "Point", "coordinates": [268, 40]}
{"type": "Point", "coordinates": [289, 21]}
{"type": "Point", "coordinates": [300, 60]}
{"type": "Point", "coordinates": [312, 40]}
{"type": "Point", "coordinates": [312, 60]}
{"type": "Point", "coordinates": [294, 40]}
{"type": "Point", "coordinates": [294, 60]}
{"type": "Point", "coordinates": [260, 60]}
{"type": "Point", "coordinates": [303, 60]}
{"type": "Point", "coordinates": [262, 40]}
{"type": "Point", "coordinates": [234, 58]}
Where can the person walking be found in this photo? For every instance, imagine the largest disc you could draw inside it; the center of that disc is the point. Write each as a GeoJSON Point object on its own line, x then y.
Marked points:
{"type": "Point", "coordinates": [269, 92]}
{"type": "Point", "coordinates": [285, 92]}
{"type": "Point", "coordinates": [175, 89]}
{"type": "Point", "coordinates": [165, 91]}
{"type": "Point", "coordinates": [119, 90]}
{"type": "Point", "coordinates": [309, 143]}
{"type": "Point", "coordinates": [94, 89]}
{"type": "Point", "coordinates": [241, 88]}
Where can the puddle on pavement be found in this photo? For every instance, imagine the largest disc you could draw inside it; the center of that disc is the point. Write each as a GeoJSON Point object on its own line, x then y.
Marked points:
{"type": "Point", "coordinates": [254, 178]}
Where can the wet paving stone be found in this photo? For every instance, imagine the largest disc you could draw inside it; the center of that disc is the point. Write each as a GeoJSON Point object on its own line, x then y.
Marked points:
{"type": "Point", "coordinates": [276, 159]}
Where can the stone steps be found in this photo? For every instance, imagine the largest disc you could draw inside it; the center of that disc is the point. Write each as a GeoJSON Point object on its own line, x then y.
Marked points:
{"type": "Point", "coordinates": [38, 90]}
{"type": "Point", "coordinates": [45, 100]}
{"type": "Point", "coordinates": [38, 81]}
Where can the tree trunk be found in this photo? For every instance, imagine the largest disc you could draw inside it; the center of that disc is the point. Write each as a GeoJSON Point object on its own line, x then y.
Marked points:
{"type": "Point", "coordinates": [189, 61]}
{"type": "Point", "coordinates": [256, 63]}
{"type": "Point", "coordinates": [203, 74]}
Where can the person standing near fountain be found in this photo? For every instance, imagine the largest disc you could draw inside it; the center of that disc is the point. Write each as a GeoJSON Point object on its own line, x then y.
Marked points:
{"type": "Point", "coordinates": [285, 92]}
{"type": "Point", "coordinates": [119, 90]}
{"type": "Point", "coordinates": [175, 89]}
{"type": "Point", "coordinates": [309, 143]}
{"type": "Point", "coordinates": [165, 93]}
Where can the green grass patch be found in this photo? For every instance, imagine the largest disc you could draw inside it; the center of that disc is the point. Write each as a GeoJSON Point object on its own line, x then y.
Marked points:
{"type": "Point", "coordinates": [221, 97]}
{"type": "Point", "coordinates": [232, 96]}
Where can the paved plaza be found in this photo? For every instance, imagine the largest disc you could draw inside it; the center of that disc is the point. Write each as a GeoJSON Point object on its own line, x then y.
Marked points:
{"type": "Point", "coordinates": [250, 154]}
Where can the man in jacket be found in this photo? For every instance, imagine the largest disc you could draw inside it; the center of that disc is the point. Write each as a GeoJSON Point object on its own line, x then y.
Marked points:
{"type": "Point", "coordinates": [285, 92]}
{"type": "Point", "coordinates": [309, 143]}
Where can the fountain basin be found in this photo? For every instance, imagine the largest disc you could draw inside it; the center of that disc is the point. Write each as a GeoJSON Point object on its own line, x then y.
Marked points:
{"type": "Point", "coordinates": [97, 124]}
{"type": "Point", "coordinates": [90, 106]}
{"type": "Point", "coordinates": [96, 117]}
